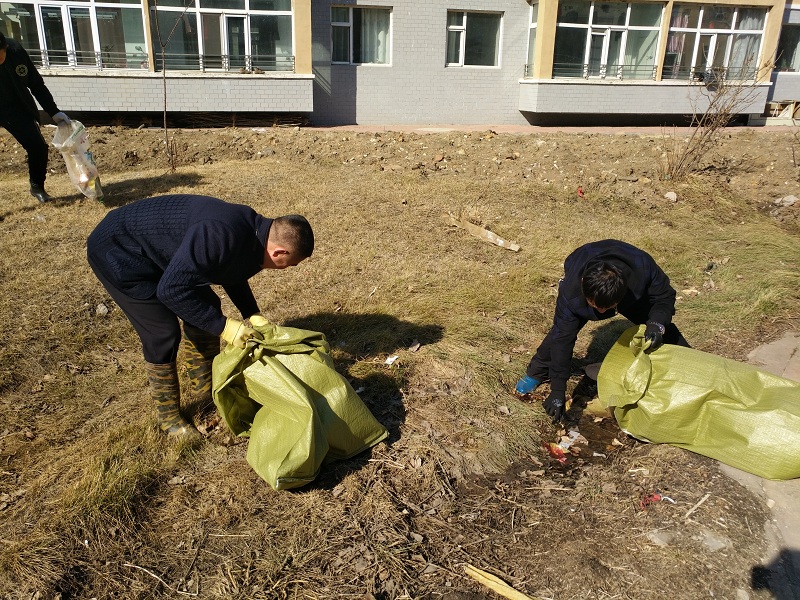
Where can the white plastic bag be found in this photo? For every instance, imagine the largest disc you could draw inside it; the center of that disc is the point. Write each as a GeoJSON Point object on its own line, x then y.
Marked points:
{"type": "Point", "coordinates": [73, 141]}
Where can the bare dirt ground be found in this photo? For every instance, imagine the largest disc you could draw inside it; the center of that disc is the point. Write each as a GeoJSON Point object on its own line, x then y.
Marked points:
{"type": "Point", "coordinates": [95, 504]}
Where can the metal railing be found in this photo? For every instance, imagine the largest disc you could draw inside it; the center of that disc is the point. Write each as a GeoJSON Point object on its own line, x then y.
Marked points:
{"type": "Point", "coordinates": [586, 71]}
{"type": "Point", "coordinates": [257, 63]}
{"type": "Point", "coordinates": [54, 59]}
{"type": "Point", "coordinates": [248, 63]}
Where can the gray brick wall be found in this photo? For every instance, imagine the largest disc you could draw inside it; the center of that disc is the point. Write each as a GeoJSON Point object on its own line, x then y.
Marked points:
{"type": "Point", "coordinates": [786, 86]}
{"type": "Point", "coordinates": [417, 87]}
{"type": "Point", "coordinates": [625, 98]}
{"type": "Point", "coordinates": [121, 92]}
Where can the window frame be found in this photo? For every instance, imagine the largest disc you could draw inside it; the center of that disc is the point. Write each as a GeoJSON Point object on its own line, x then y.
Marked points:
{"type": "Point", "coordinates": [462, 30]}
{"type": "Point", "coordinates": [607, 31]}
{"type": "Point", "coordinates": [349, 25]}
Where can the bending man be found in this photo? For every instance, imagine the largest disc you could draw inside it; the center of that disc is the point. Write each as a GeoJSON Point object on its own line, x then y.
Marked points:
{"type": "Point", "coordinates": [600, 280]}
{"type": "Point", "coordinates": [158, 258]}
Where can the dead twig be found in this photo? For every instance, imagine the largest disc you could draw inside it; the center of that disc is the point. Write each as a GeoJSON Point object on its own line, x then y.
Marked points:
{"type": "Point", "coordinates": [164, 583]}
{"type": "Point", "coordinates": [696, 506]}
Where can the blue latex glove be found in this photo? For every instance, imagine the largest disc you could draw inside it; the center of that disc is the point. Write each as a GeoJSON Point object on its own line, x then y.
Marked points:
{"type": "Point", "coordinates": [526, 385]}
{"type": "Point", "coordinates": [61, 117]}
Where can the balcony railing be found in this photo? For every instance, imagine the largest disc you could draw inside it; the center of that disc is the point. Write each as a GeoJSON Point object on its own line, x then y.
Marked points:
{"type": "Point", "coordinates": [248, 63]}
{"type": "Point", "coordinates": [587, 71]}
{"type": "Point", "coordinates": [255, 63]}
{"type": "Point", "coordinates": [77, 59]}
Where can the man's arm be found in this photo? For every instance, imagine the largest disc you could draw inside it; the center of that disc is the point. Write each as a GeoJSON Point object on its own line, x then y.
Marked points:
{"type": "Point", "coordinates": [563, 335]}
{"type": "Point", "coordinates": [37, 86]}
{"type": "Point", "coordinates": [242, 297]}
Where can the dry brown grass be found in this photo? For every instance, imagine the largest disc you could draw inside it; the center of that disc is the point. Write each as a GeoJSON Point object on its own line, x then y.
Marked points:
{"type": "Point", "coordinates": [97, 504]}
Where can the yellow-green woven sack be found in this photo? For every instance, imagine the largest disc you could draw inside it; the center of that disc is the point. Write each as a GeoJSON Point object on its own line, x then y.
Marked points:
{"type": "Point", "coordinates": [717, 407]}
{"type": "Point", "coordinates": [284, 393]}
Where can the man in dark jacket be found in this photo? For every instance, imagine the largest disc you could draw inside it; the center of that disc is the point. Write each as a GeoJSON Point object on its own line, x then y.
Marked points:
{"type": "Point", "coordinates": [158, 259]}
{"type": "Point", "coordinates": [18, 113]}
{"type": "Point", "coordinates": [600, 280]}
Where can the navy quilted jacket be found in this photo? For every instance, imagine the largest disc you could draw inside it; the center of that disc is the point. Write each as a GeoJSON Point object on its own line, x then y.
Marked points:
{"type": "Point", "coordinates": [172, 246]}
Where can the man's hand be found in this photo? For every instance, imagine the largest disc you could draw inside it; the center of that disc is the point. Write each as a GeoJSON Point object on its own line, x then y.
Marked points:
{"type": "Point", "coordinates": [258, 320]}
{"type": "Point", "coordinates": [654, 333]}
{"type": "Point", "coordinates": [237, 333]}
{"type": "Point", "coordinates": [556, 407]}
{"type": "Point", "coordinates": [61, 117]}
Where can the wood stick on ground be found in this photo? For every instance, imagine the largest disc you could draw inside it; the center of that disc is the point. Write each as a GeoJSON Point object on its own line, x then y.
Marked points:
{"type": "Point", "coordinates": [495, 584]}
{"type": "Point", "coordinates": [164, 583]}
{"type": "Point", "coordinates": [696, 506]}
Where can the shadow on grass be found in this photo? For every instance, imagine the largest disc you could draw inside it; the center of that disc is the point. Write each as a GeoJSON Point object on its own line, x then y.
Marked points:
{"type": "Point", "coordinates": [124, 192]}
{"type": "Point", "coordinates": [356, 338]}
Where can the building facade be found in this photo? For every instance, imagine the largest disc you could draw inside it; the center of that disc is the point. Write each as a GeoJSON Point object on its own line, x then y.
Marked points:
{"type": "Point", "coordinates": [411, 61]}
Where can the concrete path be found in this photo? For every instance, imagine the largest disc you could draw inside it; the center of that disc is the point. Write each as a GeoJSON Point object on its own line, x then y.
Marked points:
{"type": "Point", "coordinates": [780, 570]}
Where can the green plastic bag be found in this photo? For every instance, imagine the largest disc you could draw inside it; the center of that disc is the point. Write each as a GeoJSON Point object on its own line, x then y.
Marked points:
{"type": "Point", "coordinates": [284, 393]}
{"type": "Point", "coordinates": [717, 407]}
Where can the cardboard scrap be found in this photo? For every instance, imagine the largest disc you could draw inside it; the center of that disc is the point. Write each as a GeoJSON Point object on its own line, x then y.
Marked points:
{"type": "Point", "coordinates": [482, 233]}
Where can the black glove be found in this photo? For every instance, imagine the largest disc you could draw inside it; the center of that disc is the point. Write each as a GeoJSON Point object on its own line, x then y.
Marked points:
{"type": "Point", "coordinates": [654, 333]}
{"type": "Point", "coordinates": [555, 406]}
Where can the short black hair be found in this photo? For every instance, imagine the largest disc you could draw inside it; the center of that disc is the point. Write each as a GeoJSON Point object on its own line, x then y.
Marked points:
{"type": "Point", "coordinates": [3, 42]}
{"type": "Point", "coordinates": [603, 284]}
{"type": "Point", "coordinates": [295, 232]}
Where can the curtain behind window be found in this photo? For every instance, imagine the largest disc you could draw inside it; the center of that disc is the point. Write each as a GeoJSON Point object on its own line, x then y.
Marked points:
{"type": "Point", "coordinates": [373, 36]}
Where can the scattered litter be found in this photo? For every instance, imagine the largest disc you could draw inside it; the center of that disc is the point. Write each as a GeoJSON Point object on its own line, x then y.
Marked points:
{"type": "Point", "coordinates": [573, 437]}
{"type": "Point", "coordinates": [391, 359]}
{"type": "Point", "coordinates": [580, 192]}
{"type": "Point", "coordinates": [599, 455]}
{"type": "Point", "coordinates": [415, 345]}
{"type": "Point", "coordinates": [648, 500]}
{"type": "Point", "coordinates": [671, 196]}
{"type": "Point", "coordinates": [556, 452]}
{"type": "Point", "coordinates": [503, 410]}
{"type": "Point", "coordinates": [786, 201]}
{"type": "Point", "coordinates": [101, 310]}
{"type": "Point", "coordinates": [668, 499]}
{"type": "Point", "coordinates": [482, 233]}
{"type": "Point", "coordinates": [495, 584]}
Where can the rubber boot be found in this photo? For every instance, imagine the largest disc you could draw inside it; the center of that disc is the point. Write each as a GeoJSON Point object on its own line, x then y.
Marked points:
{"type": "Point", "coordinates": [166, 393]}
{"type": "Point", "coordinates": [199, 353]}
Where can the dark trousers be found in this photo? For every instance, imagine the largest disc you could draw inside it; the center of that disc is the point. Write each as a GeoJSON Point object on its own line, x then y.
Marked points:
{"type": "Point", "coordinates": [27, 133]}
{"type": "Point", "coordinates": [158, 327]}
{"type": "Point", "coordinates": [539, 367]}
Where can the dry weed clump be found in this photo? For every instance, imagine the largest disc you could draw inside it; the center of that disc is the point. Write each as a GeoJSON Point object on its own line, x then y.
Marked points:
{"type": "Point", "coordinates": [94, 503]}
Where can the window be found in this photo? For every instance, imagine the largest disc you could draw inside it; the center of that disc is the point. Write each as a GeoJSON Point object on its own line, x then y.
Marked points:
{"type": "Point", "coordinates": [531, 39]}
{"type": "Point", "coordinates": [789, 49]}
{"type": "Point", "coordinates": [607, 40]}
{"type": "Point", "coordinates": [473, 39]}
{"type": "Point", "coordinates": [709, 41]}
{"type": "Point", "coordinates": [228, 35]}
{"type": "Point", "coordinates": [360, 35]}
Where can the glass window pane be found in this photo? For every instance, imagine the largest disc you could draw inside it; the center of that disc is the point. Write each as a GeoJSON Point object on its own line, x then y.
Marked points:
{"type": "Point", "coordinates": [531, 49]}
{"type": "Point", "coordinates": [19, 22]}
{"type": "Point", "coordinates": [750, 19]}
{"type": "Point", "coordinates": [744, 56]}
{"type": "Point", "coordinates": [454, 47]}
{"type": "Point", "coordinates": [175, 3]}
{"type": "Point", "coordinates": [223, 4]}
{"type": "Point", "coordinates": [717, 17]}
{"type": "Point", "coordinates": [455, 19]}
{"type": "Point", "coordinates": [55, 40]}
{"type": "Point", "coordinates": [121, 37]}
{"type": "Point", "coordinates": [789, 49]}
{"type": "Point", "coordinates": [610, 13]}
{"type": "Point", "coordinates": [534, 13]}
{"type": "Point", "coordinates": [271, 5]}
{"type": "Point", "coordinates": [82, 35]}
{"type": "Point", "coordinates": [212, 40]}
{"type": "Point", "coordinates": [640, 54]}
{"type": "Point", "coordinates": [685, 15]}
{"type": "Point", "coordinates": [570, 48]}
{"type": "Point", "coordinates": [371, 35]}
{"type": "Point", "coordinates": [575, 11]}
{"type": "Point", "coordinates": [271, 42]}
{"type": "Point", "coordinates": [646, 15]}
{"type": "Point", "coordinates": [236, 42]}
{"type": "Point", "coordinates": [483, 39]}
{"type": "Point", "coordinates": [182, 50]}
{"type": "Point", "coordinates": [341, 44]}
{"type": "Point", "coordinates": [340, 15]}
{"type": "Point", "coordinates": [678, 60]}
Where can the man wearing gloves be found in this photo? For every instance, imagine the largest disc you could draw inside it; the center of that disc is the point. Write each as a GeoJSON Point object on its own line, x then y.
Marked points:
{"type": "Point", "coordinates": [158, 258]}
{"type": "Point", "coordinates": [600, 280]}
{"type": "Point", "coordinates": [19, 114]}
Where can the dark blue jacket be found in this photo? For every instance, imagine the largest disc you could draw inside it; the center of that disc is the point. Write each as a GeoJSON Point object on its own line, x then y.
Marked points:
{"type": "Point", "coordinates": [649, 298]}
{"type": "Point", "coordinates": [173, 246]}
{"type": "Point", "coordinates": [22, 74]}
